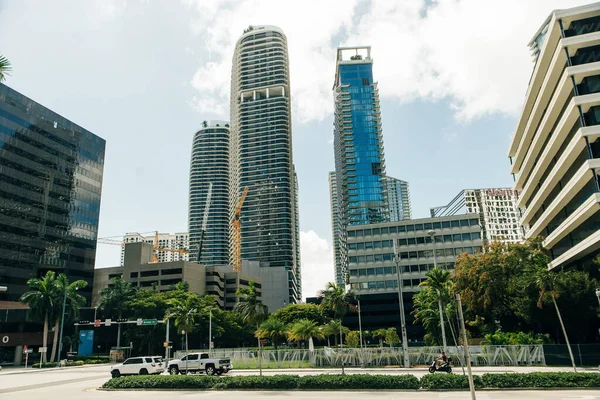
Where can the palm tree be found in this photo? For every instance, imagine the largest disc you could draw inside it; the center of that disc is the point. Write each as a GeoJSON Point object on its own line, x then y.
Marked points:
{"type": "Point", "coordinates": [546, 281]}
{"type": "Point", "coordinates": [337, 301]}
{"type": "Point", "coordinates": [379, 333]}
{"type": "Point", "coordinates": [66, 292]}
{"type": "Point", "coordinates": [184, 314]}
{"type": "Point", "coordinates": [438, 279]}
{"type": "Point", "coordinates": [305, 330]}
{"type": "Point", "coordinates": [5, 68]}
{"type": "Point", "coordinates": [252, 311]}
{"type": "Point", "coordinates": [332, 328]}
{"type": "Point", "coordinates": [115, 300]}
{"type": "Point", "coordinates": [272, 329]}
{"type": "Point", "coordinates": [42, 301]}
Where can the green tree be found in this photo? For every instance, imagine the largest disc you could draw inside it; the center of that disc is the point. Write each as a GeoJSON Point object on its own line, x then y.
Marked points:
{"type": "Point", "coordinates": [184, 315]}
{"type": "Point", "coordinates": [66, 291]}
{"type": "Point", "coordinates": [304, 330]}
{"type": "Point", "coordinates": [333, 328]}
{"type": "Point", "coordinates": [252, 311]}
{"type": "Point", "coordinates": [353, 339]}
{"type": "Point", "coordinates": [546, 282]}
{"type": "Point", "coordinates": [274, 330]}
{"type": "Point", "coordinates": [115, 300]}
{"type": "Point", "coordinates": [438, 280]}
{"type": "Point", "coordinates": [337, 301]}
{"type": "Point", "coordinates": [391, 336]}
{"type": "Point", "coordinates": [5, 68]}
{"type": "Point", "coordinates": [42, 299]}
{"type": "Point", "coordinates": [293, 312]}
{"type": "Point", "coordinates": [379, 334]}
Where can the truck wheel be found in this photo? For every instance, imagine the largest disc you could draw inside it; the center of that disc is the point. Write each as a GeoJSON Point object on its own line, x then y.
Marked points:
{"type": "Point", "coordinates": [173, 370]}
{"type": "Point", "coordinates": [143, 371]}
{"type": "Point", "coordinates": [210, 369]}
{"type": "Point", "coordinates": [115, 373]}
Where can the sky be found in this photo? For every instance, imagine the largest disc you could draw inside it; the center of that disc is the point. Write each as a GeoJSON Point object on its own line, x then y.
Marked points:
{"type": "Point", "coordinates": [143, 75]}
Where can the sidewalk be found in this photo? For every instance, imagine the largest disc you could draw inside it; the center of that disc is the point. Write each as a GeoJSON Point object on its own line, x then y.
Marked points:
{"type": "Point", "coordinates": [11, 370]}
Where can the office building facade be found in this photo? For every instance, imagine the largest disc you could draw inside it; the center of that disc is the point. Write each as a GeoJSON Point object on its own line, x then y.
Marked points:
{"type": "Point", "coordinates": [372, 265]}
{"type": "Point", "coordinates": [260, 153]}
{"type": "Point", "coordinates": [497, 209]}
{"type": "Point", "coordinates": [51, 181]}
{"type": "Point", "coordinates": [555, 150]}
{"type": "Point", "coordinates": [173, 241]}
{"type": "Point", "coordinates": [398, 198]}
{"type": "Point", "coordinates": [209, 171]}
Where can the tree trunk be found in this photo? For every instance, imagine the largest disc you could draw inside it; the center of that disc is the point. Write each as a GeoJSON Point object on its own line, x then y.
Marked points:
{"type": "Point", "coordinates": [54, 341]}
{"type": "Point", "coordinates": [341, 337]}
{"type": "Point", "coordinates": [562, 325]}
{"type": "Point", "coordinates": [444, 344]}
{"type": "Point", "coordinates": [335, 338]}
{"type": "Point", "coordinates": [381, 342]}
{"type": "Point", "coordinates": [45, 340]}
{"type": "Point", "coordinates": [328, 341]}
{"type": "Point", "coordinates": [259, 355]}
{"type": "Point", "coordinates": [119, 330]}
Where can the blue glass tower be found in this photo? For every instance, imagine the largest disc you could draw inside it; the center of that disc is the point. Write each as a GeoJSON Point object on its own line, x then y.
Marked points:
{"type": "Point", "coordinates": [358, 144]}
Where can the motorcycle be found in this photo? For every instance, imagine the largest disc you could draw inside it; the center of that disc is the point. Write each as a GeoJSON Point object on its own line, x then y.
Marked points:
{"type": "Point", "coordinates": [444, 367]}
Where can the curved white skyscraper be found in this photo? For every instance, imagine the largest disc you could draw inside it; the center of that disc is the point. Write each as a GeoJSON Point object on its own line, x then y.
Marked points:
{"type": "Point", "coordinates": [210, 165]}
{"type": "Point", "coordinates": [261, 152]}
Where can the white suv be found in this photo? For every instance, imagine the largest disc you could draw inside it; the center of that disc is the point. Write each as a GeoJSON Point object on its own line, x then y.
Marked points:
{"type": "Point", "coordinates": [139, 366]}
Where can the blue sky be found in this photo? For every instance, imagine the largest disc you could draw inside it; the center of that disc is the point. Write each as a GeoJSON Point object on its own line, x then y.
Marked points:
{"type": "Point", "coordinates": [144, 74]}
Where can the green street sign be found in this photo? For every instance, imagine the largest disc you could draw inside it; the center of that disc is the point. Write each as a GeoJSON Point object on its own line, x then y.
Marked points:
{"type": "Point", "coordinates": [149, 322]}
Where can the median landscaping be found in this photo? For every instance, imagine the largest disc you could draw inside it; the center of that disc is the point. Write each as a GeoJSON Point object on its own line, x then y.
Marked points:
{"type": "Point", "coordinates": [359, 382]}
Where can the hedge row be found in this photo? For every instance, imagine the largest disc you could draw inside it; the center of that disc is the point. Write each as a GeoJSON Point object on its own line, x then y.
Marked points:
{"type": "Point", "coordinates": [53, 364]}
{"type": "Point", "coordinates": [335, 382]}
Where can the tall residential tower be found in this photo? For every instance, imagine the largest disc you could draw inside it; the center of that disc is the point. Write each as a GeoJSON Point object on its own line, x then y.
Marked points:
{"type": "Point", "coordinates": [209, 171]}
{"type": "Point", "coordinates": [260, 152]}
{"type": "Point", "coordinates": [398, 198]}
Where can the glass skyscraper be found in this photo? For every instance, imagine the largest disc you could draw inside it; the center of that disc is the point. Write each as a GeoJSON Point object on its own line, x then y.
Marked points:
{"type": "Point", "coordinates": [210, 165]}
{"type": "Point", "coordinates": [261, 152]}
{"type": "Point", "coordinates": [51, 181]}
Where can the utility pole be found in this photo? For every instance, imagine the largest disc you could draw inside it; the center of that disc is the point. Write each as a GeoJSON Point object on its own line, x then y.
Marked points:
{"type": "Point", "coordinates": [401, 307]}
{"type": "Point", "coordinates": [167, 342]}
{"type": "Point", "coordinates": [210, 331]}
{"type": "Point", "coordinates": [466, 347]}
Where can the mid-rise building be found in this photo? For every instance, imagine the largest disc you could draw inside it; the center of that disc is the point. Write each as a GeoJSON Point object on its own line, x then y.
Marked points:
{"type": "Point", "coordinates": [398, 198]}
{"type": "Point", "coordinates": [260, 153]}
{"type": "Point", "coordinates": [497, 209]}
{"type": "Point", "coordinates": [555, 150]}
{"type": "Point", "coordinates": [421, 244]}
{"type": "Point", "coordinates": [51, 181]}
{"type": "Point", "coordinates": [209, 174]}
{"type": "Point", "coordinates": [171, 241]}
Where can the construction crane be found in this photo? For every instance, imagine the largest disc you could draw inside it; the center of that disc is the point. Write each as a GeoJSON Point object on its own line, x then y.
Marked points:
{"type": "Point", "coordinates": [236, 225]}
{"type": "Point", "coordinates": [204, 221]}
{"type": "Point", "coordinates": [156, 248]}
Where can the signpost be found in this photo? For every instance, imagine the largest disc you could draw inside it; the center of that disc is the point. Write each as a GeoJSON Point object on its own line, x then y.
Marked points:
{"type": "Point", "coordinates": [149, 322]}
{"type": "Point", "coordinates": [26, 352]}
{"type": "Point", "coordinates": [107, 322]}
{"type": "Point", "coordinates": [42, 350]}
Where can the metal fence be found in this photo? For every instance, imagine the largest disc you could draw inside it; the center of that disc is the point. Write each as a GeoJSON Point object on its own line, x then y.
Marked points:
{"type": "Point", "coordinates": [379, 357]}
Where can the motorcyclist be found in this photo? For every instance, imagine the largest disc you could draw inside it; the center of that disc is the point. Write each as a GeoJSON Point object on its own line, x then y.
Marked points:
{"type": "Point", "coordinates": [441, 360]}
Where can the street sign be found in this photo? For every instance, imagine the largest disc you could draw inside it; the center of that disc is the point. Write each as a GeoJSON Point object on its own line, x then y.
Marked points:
{"type": "Point", "coordinates": [149, 322]}
{"type": "Point", "coordinates": [139, 321]}
{"type": "Point", "coordinates": [43, 350]}
{"type": "Point", "coordinates": [97, 323]}
{"type": "Point", "coordinates": [27, 351]}
{"type": "Point", "coordinates": [107, 322]}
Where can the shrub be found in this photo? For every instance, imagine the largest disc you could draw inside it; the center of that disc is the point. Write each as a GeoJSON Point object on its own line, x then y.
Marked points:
{"type": "Point", "coordinates": [515, 338]}
{"type": "Point", "coordinates": [53, 364]}
{"type": "Point", "coordinates": [449, 381]}
{"type": "Point", "coordinates": [542, 379]}
{"type": "Point", "coordinates": [358, 382]}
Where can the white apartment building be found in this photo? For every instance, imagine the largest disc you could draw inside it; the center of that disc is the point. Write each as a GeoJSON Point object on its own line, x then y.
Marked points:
{"type": "Point", "coordinates": [175, 241]}
{"type": "Point", "coordinates": [555, 150]}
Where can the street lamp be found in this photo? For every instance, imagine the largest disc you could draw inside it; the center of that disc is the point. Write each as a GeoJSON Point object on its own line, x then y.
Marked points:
{"type": "Point", "coordinates": [401, 307]}
{"type": "Point", "coordinates": [62, 323]}
{"type": "Point", "coordinates": [431, 233]}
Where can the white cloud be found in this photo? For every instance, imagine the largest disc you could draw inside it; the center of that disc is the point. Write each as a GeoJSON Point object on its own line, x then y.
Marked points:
{"type": "Point", "coordinates": [317, 263]}
{"type": "Point", "coordinates": [471, 53]}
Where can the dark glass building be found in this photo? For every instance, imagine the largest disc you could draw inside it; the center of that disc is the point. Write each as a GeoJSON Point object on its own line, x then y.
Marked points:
{"type": "Point", "coordinates": [50, 186]}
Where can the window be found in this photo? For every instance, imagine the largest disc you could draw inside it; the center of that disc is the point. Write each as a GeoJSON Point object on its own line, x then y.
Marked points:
{"type": "Point", "coordinates": [473, 222]}
{"type": "Point", "coordinates": [410, 228]}
{"type": "Point", "coordinates": [387, 270]}
{"type": "Point", "coordinates": [192, 357]}
{"type": "Point", "coordinates": [385, 231]}
{"type": "Point", "coordinates": [447, 238]}
{"type": "Point", "coordinates": [359, 233]}
{"type": "Point", "coordinates": [445, 224]}
{"type": "Point", "coordinates": [391, 284]}
{"type": "Point", "coordinates": [402, 242]}
{"type": "Point", "coordinates": [372, 285]}
{"type": "Point", "coordinates": [376, 231]}
{"type": "Point", "coordinates": [353, 259]}
{"type": "Point", "coordinates": [466, 236]}
{"type": "Point", "coordinates": [464, 222]}
{"type": "Point", "coordinates": [353, 272]}
{"type": "Point", "coordinates": [418, 227]}
{"type": "Point", "coordinates": [387, 256]}
{"type": "Point", "coordinates": [351, 233]}
{"type": "Point", "coordinates": [411, 241]}
{"type": "Point", "coordinates": [377, 245]}
{"type": "Point", "coordinates": [437, 225]}
{"type": "Point", "coordinates": [379, 271]}
{"type": "Point", "coordinates": [455, 224]}
{"type": "Point", "coordinates": [400, 229]}
{"type": "Point", "coordinates": [378, 257]}
{"type": "Point", "coordinates": [352, 246]}
{"type": "Point", "coordinates": [421, 240]}
{"type": "Point", "coordinates": [365, 81]}
{"type": "Point", "coordinates": [362, 259]}
{"type": "Point", "coordinates": [133, 275]}
{"type": "Point", "coordinates": [393, 229]}
{"type": "Point", "coordinates": [367, 232]}
{"type": "Point", "coordinates": [148, 360]}
{"type": "Point", "coordinates": [203, 356]}
{"type": "Point", "coordinates": [136, 360]}
{"type": "Point", "coordinates": [360, 246]}
{"type": "Point", "coordinates": [475, 235]}
{"type": "Point", "coordinates": [380, 285]}
{"type": "Point", "coordinates": [457, 237]}
{"type": "Point", "coordinates": [427, 226]}
{"type": "Point", "coordinates": [368, 245]}
{"type": "Point", "coordinates": [362, 272]}
{"type": "Point", "coordinates": [370, 258]}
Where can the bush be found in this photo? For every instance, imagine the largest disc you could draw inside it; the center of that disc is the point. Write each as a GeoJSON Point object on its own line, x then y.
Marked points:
{"type": "Point", "coordinates": [542, 379]}
{"type": "Point", "coordinates": [96, 361]}
{"type": "Point", "coordinates": [162, 382]}
{"type": "Point", "coordinates": [449, 381]}
{"type": "Point", "coordinates": [515, 338]}
{"type": "Point", "coordinates": [334, 382]}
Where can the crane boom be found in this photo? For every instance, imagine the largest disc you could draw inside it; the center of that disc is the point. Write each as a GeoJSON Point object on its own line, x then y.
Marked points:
{"type": "Point", "coordinates": [204, 221]}
{"type": "Point", "coordinates": [236, 225]}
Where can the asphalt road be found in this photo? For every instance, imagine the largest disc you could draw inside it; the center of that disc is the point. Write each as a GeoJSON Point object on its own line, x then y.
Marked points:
{"type": "Point", "coordinates": [82, 383]}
